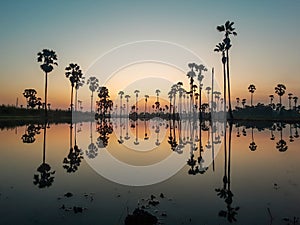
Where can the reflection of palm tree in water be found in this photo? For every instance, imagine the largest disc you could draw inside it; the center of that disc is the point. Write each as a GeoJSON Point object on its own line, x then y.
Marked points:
{"type": "Point", "coordinates": [92, 151]}
{"type": "Point", "coordinates": [73, 160]}
{"type": "Point", "coordinates": [127, 137]}
{"type": "Point", "coordinates": [281, 144]}
{"type": "Point", "coordinates": [252, 145]}
{"type": "Point", "coordinates": [45, 177]}
{"type": "Point", "coordinates": [136, 142]}
{"type": "Point", "coordinates": [225, 192]}
{"type": "Point", "coordinates": [104, 128]}
{"type": "Point", "coordinates": [145, 130]}
{"type": "Point", "coordinates": [30, 132]}
{"type": "Point", "coordinates": [172, 135]}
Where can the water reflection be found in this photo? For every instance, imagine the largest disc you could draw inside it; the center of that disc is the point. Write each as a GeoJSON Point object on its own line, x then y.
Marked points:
{"type": "Point", "coordinates": [45, 176]}
{"type": "Point", "coordinates": [198, 138]}
{"type": "Point", "coordinates": [75, 155]}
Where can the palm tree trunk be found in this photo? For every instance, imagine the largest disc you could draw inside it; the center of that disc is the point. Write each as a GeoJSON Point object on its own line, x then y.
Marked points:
{"type": "Point", "coordinates": [251, 99]}
{"type": "Point", "coordinates": [72, 99]}
{"type": "Point", "coordinates": [228, 81]}
{"type": "Point", "coordinates": [224, 83]}
{"type": "Point", "coordinates": [76, 99]}
{"type": "Point", "coordinates": [92, 101]}
{"type": "Point", "coordinates": [200, 102]}
{"type": "Point", "coordinates": [46, 87]}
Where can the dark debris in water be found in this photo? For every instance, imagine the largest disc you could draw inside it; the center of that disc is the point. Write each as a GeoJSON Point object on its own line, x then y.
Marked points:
{"type": "Point", "coordinates": [141, 217]}
{"type": "Point", "coordinates": [68, 194]}
{"type": "Point", "coordinates": [75, 209]}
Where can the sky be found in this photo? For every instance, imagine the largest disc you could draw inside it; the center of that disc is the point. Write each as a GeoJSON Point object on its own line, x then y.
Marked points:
{"type": "Point", "coordinates": [265, 52]}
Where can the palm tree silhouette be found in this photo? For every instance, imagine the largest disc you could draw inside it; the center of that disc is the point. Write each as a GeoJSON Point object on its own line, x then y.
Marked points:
{"type": "Point", "coordinates": [237, 102]}
{"type": "Point", "coordinates": [252, 145]}
{"type": "Point", "coordinates": [146, 100]}
{"type": "Point", "coordinates": [93, 83]}
{"type": "Point", "coordinates": [45, 178]}
{"type": "Point", "coordinates": [280, 90]}
{"type": "Point", "coordinates": [136, 92]}
{"type": "Point", "coordinates": [48, 58]}
{"type": "Point", "coordinates": [191, 74]}
{"type": "Point", "coordinates": [208, 89]}
{"type": "Point", "coordinates": [157, 103]}
{"type": "Point", "coordinates": [295, 101]}
{"type": "Point", "coordinates": [290, 100]}
{"type": "Point", "coordinates": [200, 68]}
{"type": "Point", "coordinates": [127, 102]}
{"type": "Point", "coordinates": [77, 86]}
{"type": "Point", "coordinates": [121, 93]}
{"type": "Point", "coordinates": [281, 144]}
{"type": "Point", "coordinates": [74, 73]}
{"type": "Point", "coordinates": [251, 89]}
{"type": "Point", "coordinates": [221, 48]}
{"type": "Point", "coordinates": [92, 151]}
{"type": "Point", "coordinates": [228, 29]}
{"type": "Point", "coordinates": [243, 102]}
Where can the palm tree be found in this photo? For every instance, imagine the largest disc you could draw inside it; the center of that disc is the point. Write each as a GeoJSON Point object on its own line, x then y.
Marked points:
{"type": "Point", "coordinates": [93, 83]}
{"type": "Point", "coordinates": [280, 90]}
{"type": "Point", "coordinates": [191, 74]}
{"type": "Point", "coordinates": [200, 77]}
{"type": "Point", "coordinates": [228, 29]}
{"type": "Point", "coordinates": [77, 86]}
{"type": "Point", "coordinates": [251, 89]}
{"type": "Point", "coordinates": [237, 102]}
{"type": "Point", "coordinates": [146, 100]}
{"type": "Point", "coordinates": [252, 145]}
{"type": "Point", "coordinates": [48, 58]}
{"type": "Point", "coordinates": [127, 101]}
{"type": "Point", "coordinates": [136, 101]}
{"type": "Point", "coordinates": [221, 48]}
{"type": "Point", "coordinates": [295, 101]}
{"type": "Point", "coordinates": [157, 91]}
{"type": "Point", "coordinates": [121, 93]}
{"type": "Point", "coordinates": [243, 102]}
{"type": "Point", "coordinates": [290, 100]}
{"type": "Point", "coordinates": [271, 99]}
{"type": "Point", "coordinates": [74, 73]}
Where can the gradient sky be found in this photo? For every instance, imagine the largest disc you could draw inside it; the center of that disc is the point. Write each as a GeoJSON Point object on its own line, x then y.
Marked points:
{"type": "Point", "coordinates": [265, 52]}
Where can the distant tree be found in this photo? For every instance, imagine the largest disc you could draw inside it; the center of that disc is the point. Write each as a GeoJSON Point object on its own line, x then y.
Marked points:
{"type": "Point", "coordinates": [237, 101]}
{"type": "Point", "coordinates": [295, 101]}
{"type": "Point", "coordinates": [271, 99]}
{"type": "Point", "coordinates": [243, 102]}
{"type": "Point", "coordinates": [251, 89]}
{"type": "Point", "coordinates": [146, 100]}
{"type": "Point", "coordinates": [136, 92]}
{"type": "Point", "coordinates": [75, 75]}
{"type": "Point", "coordinates": [48, 58]}
{"type": "Point", "coordinates": [280, 91]}
{"type": "Point", "coordinates": [30, 95]}
{"type": "Point", "coordinates": [221, 48]}
{"type": "Point", "coordinates": [93, 83]}
{"type": "Point", "coordinates": [127, 101]}
{"type": "Point", "coordinates": [104, 105]}
{"type": "Point", "coordinates": [290, 100]}
{"type": "Point", "coordinates": [121, 93]}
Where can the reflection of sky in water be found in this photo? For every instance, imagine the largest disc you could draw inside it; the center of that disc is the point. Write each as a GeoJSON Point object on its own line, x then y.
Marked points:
{"type": "Point", "coordinates": [252, 181]}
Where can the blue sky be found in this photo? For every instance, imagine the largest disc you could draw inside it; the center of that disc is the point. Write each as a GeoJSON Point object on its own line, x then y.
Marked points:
{"type": "Point", "coordinates": [265, 52]}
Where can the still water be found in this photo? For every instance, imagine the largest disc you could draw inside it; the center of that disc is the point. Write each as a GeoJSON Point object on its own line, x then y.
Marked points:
{"type": "Point", "coordinates": [117, 166]}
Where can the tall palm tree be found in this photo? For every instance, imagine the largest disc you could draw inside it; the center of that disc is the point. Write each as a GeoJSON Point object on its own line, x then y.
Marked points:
{"type": "Point", "coordinates": [295, 101]}
{"type": "Point", "coordinates": [136, 99]}
{"type": "Point", "coordinates": [146, 100]}
{"type": "Point", "coordinates": [157, 103]}
{"type": "Point", "coordinates": [280, 90]}
{"type": "Point", "coordinates": [93, 83]}
{"type": "Point", "coordinates": [127, 102]}
{"type": "Point", "coordinates": [237, 102]}
{"type": "Point", "coordinates": [271, 99]}
{"type": "Point", "coordinates": [79, 84]}
{"type": "Point", "coordinates": [48, 58]}
{"type": "Point", "coordinates": [121, 93]}
{"type": "Point", "coordinates": [75, 75]}
{"type": "Point", "coordinates": [290, 100]}
{"type": "Point", "coordinates": [251, 89]}
{"type": "Point", "coordinates": [221, 48]}
{"type": "Point", "coordinates": [191, 74]}
{"type": "Point", "coordinates": [201, 68]}
{"type": "Point", "coordinates": [243, 102]}
{"type": "Point", "coordinates": [228, 29]}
